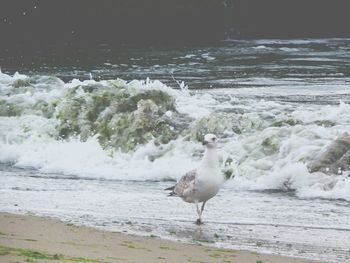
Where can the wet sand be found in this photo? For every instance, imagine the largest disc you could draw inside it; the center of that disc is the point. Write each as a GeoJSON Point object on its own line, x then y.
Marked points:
{"type": "Point", "coordinates": [26, 238]}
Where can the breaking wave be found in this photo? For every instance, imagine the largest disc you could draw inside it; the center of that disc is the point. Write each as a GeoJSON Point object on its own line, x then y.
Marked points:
{"type": "Point", "coordinates": [139, 130]}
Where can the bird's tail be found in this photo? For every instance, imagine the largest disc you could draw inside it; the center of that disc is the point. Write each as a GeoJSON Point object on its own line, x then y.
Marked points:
{"type": "Point", "coordinates": [171, 188]}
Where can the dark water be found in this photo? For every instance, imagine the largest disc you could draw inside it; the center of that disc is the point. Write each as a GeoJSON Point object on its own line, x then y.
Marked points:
{"type": "Point", "coordinates": [306, 63]}
{"type": "Point", "coordinates": [229, 65]}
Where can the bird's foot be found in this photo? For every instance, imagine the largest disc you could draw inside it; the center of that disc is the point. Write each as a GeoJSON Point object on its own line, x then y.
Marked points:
{"type": "Point", "coordinates": [199, 222]}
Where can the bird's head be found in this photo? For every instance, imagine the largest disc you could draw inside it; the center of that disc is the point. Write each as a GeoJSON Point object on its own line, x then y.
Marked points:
{"type": "Point", "coordinates": [210, 141]}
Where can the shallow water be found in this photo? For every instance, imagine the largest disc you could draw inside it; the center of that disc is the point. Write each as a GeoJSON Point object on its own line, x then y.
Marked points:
{"type": "Point", "coordinates": [275, 105]}
{"type": "Point", "coordinates": [265, 221]}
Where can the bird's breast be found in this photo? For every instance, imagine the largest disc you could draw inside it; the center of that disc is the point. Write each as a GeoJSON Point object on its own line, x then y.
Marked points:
{"type": "Point", "coordinates": [207, 186]}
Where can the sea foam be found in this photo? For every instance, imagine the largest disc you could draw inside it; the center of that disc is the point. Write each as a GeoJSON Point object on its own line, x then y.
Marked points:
{"type": "Point", "coordinates": [264, 144]}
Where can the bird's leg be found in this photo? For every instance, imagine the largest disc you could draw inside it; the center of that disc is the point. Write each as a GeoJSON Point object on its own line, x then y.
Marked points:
{"type": "Point", "coordinates": [199, 221]}
{"type": "Point", "coordinates": [198, 211]}
{"type": "Point", "coordinates": [202, 209]}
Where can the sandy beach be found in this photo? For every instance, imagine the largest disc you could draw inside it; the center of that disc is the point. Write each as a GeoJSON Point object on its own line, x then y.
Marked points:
{"type": "Point", "coordinates": [26, 238]}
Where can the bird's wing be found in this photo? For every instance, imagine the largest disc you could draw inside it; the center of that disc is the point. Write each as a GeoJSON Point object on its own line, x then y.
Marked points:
{"type": "Point", "coordinates": [185, 184]}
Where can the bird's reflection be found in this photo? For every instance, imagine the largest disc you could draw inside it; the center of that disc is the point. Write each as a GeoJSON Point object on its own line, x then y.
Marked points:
{"type": "Point", "coordinates": [200, 233]}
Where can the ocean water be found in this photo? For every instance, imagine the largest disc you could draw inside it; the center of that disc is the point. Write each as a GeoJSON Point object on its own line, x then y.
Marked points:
{"type": "Point", "coordinates": [70, 151]}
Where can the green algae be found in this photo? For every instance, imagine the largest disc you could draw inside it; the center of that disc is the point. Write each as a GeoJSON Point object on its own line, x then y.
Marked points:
{"type": "Point", "coordinates": [131, 245]}
{"type": "Point", "coordinates": [166, 248]}
{"type": "Point", "coordinates": [80, 259]}
{"type": "Point", "coordinates": [37, 255]}
{"type": "Point", "coordinates": [215, 255]}
{"type": "Point", "coordinates": [4, 251]}
{"type": "Point", "coordinates": [325, 123]}
{"type": "Point", "coordinates": [228, 173]}
{"type": "Point", "coordinates": [222, 253]}
{"type": "Point", "coordinates": [28, 253]}
{"type": "Point", "coordinates": [269, 145]}
{"type": "Point", "coordinates": [122, 118]}
{"type": "Point", "coordinates": [39, 108]}
{"type": "Point", "coordinates": [8, 109]}
{"type": "Point", "coordinates": [33, 254]}
{"type": "Point", "coordinates": [18, 83]}
{"type": "Point", "coordinates": [163, 100]}
{"type": "Point", "coordinates": [221, 124]}
{"type": "Point", "coordinates": [287, 122]}
{"type": "Point", "coordinates": [31, 240]}
{"type": "Point", "coordinates": [222, 250]}
{"type": "Point", "coordinates": [205, 125]}
{"type": "Point", "coordinates": [237, 130]}
{"type": "Point", "coordinates": [44, 108]}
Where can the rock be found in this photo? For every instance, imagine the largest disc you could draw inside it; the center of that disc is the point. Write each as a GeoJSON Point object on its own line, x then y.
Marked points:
{"type": "Point", "coordinates": [121, 116]}
{"type": "Point", "coordinates": [221, 124]}
{"type": "Point", "coordinates": [336, 158]}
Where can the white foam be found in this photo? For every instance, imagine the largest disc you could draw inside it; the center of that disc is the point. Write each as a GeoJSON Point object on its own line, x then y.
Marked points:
{"type": "Point", "coordinates": [31, 141]}
{"type": "Point", "coordinates": [288, 49]}
{"type": "Point", "coordinates": [88, 159]}
{"type": "Point", "coordinates": [262, 47]}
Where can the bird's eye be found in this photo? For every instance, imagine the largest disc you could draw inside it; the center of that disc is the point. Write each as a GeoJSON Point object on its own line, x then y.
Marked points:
{"type": "Point", "coordinates": [214, 139]}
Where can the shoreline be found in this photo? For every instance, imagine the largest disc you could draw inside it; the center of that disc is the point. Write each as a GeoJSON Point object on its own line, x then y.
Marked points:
{"type": "Point", "coordinates": [28, 238]}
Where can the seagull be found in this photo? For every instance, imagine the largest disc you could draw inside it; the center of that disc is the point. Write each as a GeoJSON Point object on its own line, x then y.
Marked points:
{"type": "Point", "coordinates": [201, 184]}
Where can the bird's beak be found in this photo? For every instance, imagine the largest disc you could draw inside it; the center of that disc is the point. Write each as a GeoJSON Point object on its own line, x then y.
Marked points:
{"type": "Point", "coordinates": [205, 142]}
